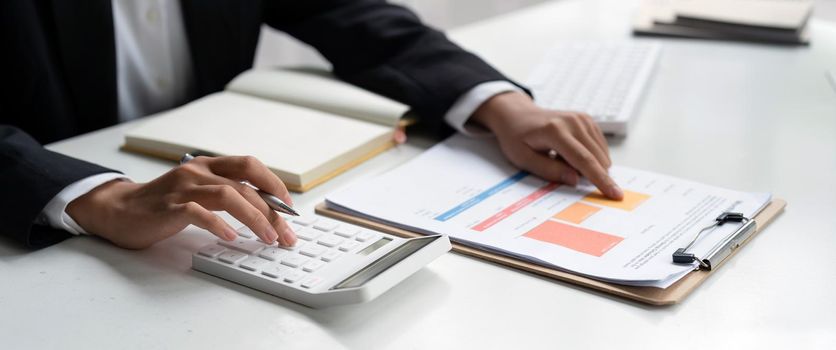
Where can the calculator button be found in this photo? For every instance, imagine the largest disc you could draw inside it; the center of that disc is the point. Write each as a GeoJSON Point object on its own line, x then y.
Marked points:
{"type": "Point", "coordinates": [248, 246]}
{"type": "Point", "coordinates": [365, 236]}
{"type": "Point", "coordinates": [308, 234]}
{"type": "Point", "coordinates": [330, 241]}
{"type": "Point", "coordinates": [304, 221]}
{"type": "Point", "coordinates": [347, 232]}
{"type": "Point", "coordinates": [326, 225]}
{"type": "Point", "coordinates": [313, 265]}
{"type": "Point", "coordinates": [254, 264]}
{"type": "Point", "coordinates": [274, 243]}
{"type": "Point", "coordinates": [231, 256]}
{"type": "Point", "coordinates": [293, 276]}
{"type": "Point", "coordinates": [211, 250]}
{"type": "Point", "coordinates": [311, 281]}
{"type": "Point", "coordinates": [272, 253]}
{"type": "Point", "coordinates": [349, 245]}
{"type": "Point", "coordinates": [245, 232]}
{"type": "Point", "coordinates": [275, 271]}
{"type": "Point", "coordinates": [330, 255]}
{"type": "Point", "coordinates": [312, 250]}
{"type": "Point", "coordinates": [294, 260]}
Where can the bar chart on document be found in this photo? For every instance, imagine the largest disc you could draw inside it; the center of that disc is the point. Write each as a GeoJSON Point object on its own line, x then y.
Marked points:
{"type": "Point", "coordinates": [570, 218]}
{"type": "Point", "coordinates": [470, 192]}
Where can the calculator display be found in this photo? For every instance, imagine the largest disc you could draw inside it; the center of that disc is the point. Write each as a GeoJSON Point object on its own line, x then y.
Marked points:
{"type": "Point", "coordinates": [370, 249]}
{"type": "Point", "coordinates": [385, 262]}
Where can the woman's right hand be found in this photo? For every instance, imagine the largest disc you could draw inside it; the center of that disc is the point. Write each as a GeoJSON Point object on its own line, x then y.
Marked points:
{"type": "Point", "coordinates": [135, 216]}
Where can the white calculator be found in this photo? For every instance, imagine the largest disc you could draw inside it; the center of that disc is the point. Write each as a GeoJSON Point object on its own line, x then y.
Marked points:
{"type": "Point", "coordinates": [333, 263]}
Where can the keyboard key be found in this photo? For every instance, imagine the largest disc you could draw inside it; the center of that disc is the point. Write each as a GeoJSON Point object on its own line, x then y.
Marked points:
{"type": "Point", "coordinates": [275, 271]}
{"type": "Point", "coordinates": [272, 253]}
{"type": "Point", "coordinates": [245, 232]}
{"type": "Point", "coordinates": [304, 221]}
{"type": "Point", "coordinates": [601, 78]}
{"type": "Point", "coordinates": [313, 265]}
{"type": "Point", "coordinates": [347, 232]}
{"type": "Point", "coordinates": [293, 276]}
{"type": "Point", "coordinates": [231, 256]}
{"type": "Point", "coordinates": [211, 250]}
{"type": "Point", "coordinates": [308, 234]}
{"type": "Point", "coordinates": [248, 246]}
{"type": "Point", "coordinates": [294, 260]}
{"type": "Point", "coordinates": [312, 250]}
{"type": "Point", "coordinates": [330, 241]}
{"type": "Point", "coordinates": [311, 282]}
{"type": "Point", "coordinates": [349, 245]}
{"type": "Point", "coordinates": [366, 236]}
{"type": "Point", "coordinates": [326, 225]}
{"type": "Point", "coordinates": [331, 255]}
{"type": "Point", "coordinates": [254, 263]}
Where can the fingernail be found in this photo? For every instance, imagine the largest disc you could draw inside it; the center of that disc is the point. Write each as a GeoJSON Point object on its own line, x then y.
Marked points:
{"type": "Point", "coordinates": [290, 236]}
{"type": "Point", "coordinates": [272, 235]}
{"type": "Point", "coordinates": [230, 234]}
{"type": "Point", "coordinates": [615, 192]}
{"type": "Point", "coordinates": [400, 136]}
{"type": "Point", "coordinates": [569, 178]}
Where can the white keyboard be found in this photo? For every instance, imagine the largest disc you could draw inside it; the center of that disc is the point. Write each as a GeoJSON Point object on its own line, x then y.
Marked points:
{"type": "Point", "coordinates": [604, 80]}
{"type": "Point", "coordinates": [333, 263]}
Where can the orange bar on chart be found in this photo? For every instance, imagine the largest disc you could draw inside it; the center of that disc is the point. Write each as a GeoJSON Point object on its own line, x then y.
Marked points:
{"type": "Point", "coordinates": [576, 213]}
{"type": "Point", "coordinates": [575, 238]}
{"type": "Point", "coordinates": [631, 200]}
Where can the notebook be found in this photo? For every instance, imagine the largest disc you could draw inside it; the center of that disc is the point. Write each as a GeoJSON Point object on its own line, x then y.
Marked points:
{"type": "Point", "coordinates": [306, 126]}
{"type": "Point", "coordinates": [776, 21]}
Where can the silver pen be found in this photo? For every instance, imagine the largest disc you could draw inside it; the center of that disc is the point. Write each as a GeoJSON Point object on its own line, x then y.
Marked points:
{"type": "Point", "coordinates": [272, 201]}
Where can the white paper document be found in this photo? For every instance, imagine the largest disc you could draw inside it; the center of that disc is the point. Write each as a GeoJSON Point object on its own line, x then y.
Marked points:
{"type": "Point", "coordinates": [465, 188]}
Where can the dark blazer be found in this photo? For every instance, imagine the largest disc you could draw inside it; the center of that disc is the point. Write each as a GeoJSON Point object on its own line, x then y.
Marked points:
{"type": "Point", "coordinates": [59, 78]}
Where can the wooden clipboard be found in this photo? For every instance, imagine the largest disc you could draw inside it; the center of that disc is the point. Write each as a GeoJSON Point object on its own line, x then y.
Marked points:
{"type": "Point", "coordinates": [649, 295]}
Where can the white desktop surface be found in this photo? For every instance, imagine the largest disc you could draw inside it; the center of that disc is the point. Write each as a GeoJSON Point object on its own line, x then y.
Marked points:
{"type": "Point", "coordinates": [745, 116]}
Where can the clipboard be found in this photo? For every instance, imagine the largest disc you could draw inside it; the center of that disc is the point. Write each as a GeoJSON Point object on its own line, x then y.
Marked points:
{"type": "Point", "coordinates": [648, 295]}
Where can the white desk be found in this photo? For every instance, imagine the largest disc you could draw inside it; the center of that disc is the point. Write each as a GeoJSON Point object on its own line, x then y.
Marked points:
{"type": "Point", "coordinates": [749, 117]}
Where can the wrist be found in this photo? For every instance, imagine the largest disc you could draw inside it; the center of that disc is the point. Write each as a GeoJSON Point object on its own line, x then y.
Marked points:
{"type": "Point", "coordinates": [95, 210]}
{"type": "Point", "coordinates": [500, 108]}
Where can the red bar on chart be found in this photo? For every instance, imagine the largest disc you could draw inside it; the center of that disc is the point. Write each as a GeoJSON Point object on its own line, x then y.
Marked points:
{"type": "Point", "coordinates": [513, 208]}
{"type": "Point", "coordinates": [576, 238]}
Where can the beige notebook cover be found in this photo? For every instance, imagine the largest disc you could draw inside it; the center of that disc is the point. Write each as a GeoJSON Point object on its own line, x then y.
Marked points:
{"type": "Point", "coordinates": [779, 14]}
{"type": "Point", "coordinates": [287, 119]}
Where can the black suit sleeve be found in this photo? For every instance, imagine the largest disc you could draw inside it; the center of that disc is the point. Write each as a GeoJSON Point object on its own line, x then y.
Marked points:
{"type": "Point", "coordinates": [31, 176]}
{"type": "Point", "coordinates": [386, 49]}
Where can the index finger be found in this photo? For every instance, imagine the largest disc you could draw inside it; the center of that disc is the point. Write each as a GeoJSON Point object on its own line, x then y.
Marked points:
{"type": "Point", "coordinates": [250, 169]}
{"type": "Point", "coordinates": [580, 158]}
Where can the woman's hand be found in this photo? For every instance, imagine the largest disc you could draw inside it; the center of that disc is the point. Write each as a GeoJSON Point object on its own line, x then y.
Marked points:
{"type": "Point", "coordinates": [135, 216]}
{"type": "Point", "coordinates": [527, 133]}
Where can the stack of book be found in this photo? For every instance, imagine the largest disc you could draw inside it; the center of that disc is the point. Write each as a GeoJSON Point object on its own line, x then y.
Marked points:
{"type": "Point", "coordinates": [772, 21]}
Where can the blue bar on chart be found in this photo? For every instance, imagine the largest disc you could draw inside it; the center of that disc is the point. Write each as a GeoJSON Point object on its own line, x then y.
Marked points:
{"type": "Point", "coordinates": [481, 196]}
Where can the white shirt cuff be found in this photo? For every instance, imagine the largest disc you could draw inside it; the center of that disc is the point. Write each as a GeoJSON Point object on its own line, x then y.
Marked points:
{"type": "Point", "coordinates": [461, 111]}
{"type": "Point", "coordinates": [55, 212]}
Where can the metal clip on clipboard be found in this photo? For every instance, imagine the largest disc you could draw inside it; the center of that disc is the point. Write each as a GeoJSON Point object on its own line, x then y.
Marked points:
{"type": "Point", "coordinates": [724, 248]}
